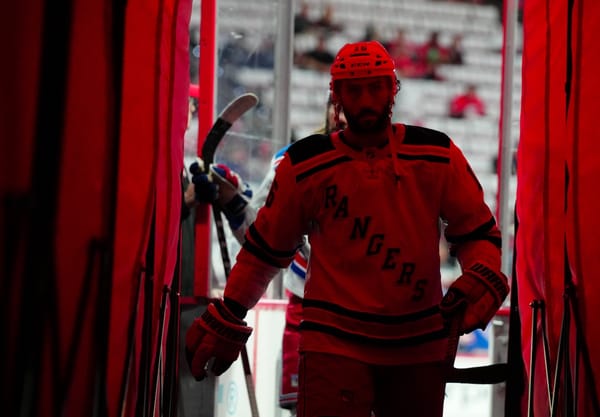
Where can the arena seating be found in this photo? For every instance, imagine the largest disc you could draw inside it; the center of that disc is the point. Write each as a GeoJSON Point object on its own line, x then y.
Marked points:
{"type": "Point", "coordinates": [423, 102]}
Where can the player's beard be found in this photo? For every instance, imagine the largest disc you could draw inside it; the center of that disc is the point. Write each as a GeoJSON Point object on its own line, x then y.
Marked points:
{"type": "Point", "coordinates": [358, 124]}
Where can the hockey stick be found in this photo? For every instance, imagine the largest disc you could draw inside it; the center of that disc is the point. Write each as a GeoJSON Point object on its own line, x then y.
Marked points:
{"type": "Point", "coordinates": [454, 324]}
{"type": "Point", "coordinates": [233, 111]}
{"type": "Point", "coordinates": [228, 116]}
{"type": "Point", "coordinates": [486, 374]}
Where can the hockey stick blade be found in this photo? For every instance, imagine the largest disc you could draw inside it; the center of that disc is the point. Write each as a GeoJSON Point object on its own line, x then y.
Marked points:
{"type": "Point", "coordinates": [487, 374]}
{"type": "Point", "coordinates": [232, 112]}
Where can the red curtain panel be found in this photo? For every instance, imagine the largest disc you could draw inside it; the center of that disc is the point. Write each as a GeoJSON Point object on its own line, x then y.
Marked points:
{"type": "Point", "coordinates": [557, 231]}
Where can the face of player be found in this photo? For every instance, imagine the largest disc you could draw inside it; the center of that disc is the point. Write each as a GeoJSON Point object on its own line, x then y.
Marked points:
{"type": "Point", "coordinates": [366, 103]}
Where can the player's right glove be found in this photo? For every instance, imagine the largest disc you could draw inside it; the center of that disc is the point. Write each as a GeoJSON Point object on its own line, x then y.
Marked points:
{"type": "Point", "coordinates": [483, 290]}
{"type": "Point", "coordinates": [217, 334]}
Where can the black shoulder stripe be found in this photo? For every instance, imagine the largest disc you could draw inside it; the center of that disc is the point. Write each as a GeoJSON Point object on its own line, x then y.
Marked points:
{"type": "Point", "coordinates": [260, 254]}
{"type": "Point", "coordinates": [472, 174]}
{"type": "Point", "coordinates": [481, 233]}
{"type": "Point", "coordinates": [321, 167]}
{"type": "Point", "coordinates": [494, 240]}
{"type": "Point", "coordinates": [308, 147]}
{"type": "Point", "coordinates": [417, 135]}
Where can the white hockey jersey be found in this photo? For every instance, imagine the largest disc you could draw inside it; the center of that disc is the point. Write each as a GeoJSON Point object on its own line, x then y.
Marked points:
{"type": "Point", "coordinates": [293, 277]}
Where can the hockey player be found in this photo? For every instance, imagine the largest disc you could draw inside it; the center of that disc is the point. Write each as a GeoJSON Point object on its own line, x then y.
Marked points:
{"type": "Point", "coordinates": [224, 179]}
{"type": "Point", "coordinates": [374, 333]}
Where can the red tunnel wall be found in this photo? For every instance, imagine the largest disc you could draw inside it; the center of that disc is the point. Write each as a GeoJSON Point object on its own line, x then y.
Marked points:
{"type": "Point", "coordinates": [93, 116]}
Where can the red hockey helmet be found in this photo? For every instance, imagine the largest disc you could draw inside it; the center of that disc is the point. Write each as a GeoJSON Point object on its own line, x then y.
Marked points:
{"type": "Point", "coordinates": [362, 60]}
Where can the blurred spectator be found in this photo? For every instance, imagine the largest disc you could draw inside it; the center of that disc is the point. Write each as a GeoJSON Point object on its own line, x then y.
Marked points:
{"type": "Point", "coordinates": [404, 54]}
{"type": "Point", "coordinates": [326, 21]}
{"type": "Point", "coordinates": [429, 70]}
{"type": "Point", "coordinates": [302, 21]}
{"type": "Point", "coordinates": [467, 103]}
{"type": "Point", "coordinates": [432, 52]}
{"type": "Point", "coordinates": [371, 34]}
{"type": "Point", "coordinates": [264, 56]}
{"type": "Point", "coordinates": [232, 54]}
{"type": "Point", "coordinates": [455, 50]}
{"type": "Point", "coordinates": [430, 56]}
{"type": "Point", "coordinates": [399, 42]}
{"type": "Point", "coordinates": [319, 58]}
{"type": "Point", "coordinates": [234, 51]}
{"type": "Point", "coordinates": [194, 51]}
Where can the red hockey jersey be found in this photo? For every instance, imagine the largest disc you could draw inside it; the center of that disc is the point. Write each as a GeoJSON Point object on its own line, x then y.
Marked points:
{"type": "Point", "coordinates": [373, 281]}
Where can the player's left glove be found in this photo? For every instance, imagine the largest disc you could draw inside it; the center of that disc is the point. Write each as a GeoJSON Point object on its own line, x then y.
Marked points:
{"type": "Point", "coordinates": [217, 334]}
{"type": "Point", "coordinates": [233, 195]}
{"type": "Point", "coordinates": [483, 290]}
{"type": "Point", "coordinates": [205, 190]}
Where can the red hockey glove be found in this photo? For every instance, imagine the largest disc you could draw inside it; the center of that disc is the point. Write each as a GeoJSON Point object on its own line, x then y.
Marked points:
{"type": "Point", "coordinates": [233, 194]}
{"type": "Point", "coordinates": [216, 334]}
{"type": "Point", "coordinates": [483, 289]}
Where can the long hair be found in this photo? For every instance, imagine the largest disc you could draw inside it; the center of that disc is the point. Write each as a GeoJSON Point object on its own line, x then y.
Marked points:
{"type": "Point", "coordinates": [326, 126]}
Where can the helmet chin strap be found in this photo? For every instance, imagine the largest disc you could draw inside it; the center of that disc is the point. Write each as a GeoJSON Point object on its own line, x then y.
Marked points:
{"type": "Point", "coordinates": [393, 148]}
{"type": "Point", "coordinates": [394, 153]}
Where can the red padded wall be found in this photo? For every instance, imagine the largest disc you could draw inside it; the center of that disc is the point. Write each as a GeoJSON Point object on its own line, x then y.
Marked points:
{"type": "Point", "coordinates": [93, 117]}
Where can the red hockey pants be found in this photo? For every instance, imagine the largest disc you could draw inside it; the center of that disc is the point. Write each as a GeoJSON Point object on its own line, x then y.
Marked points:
{"type": "Point", "coordinates": [334, 386]}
